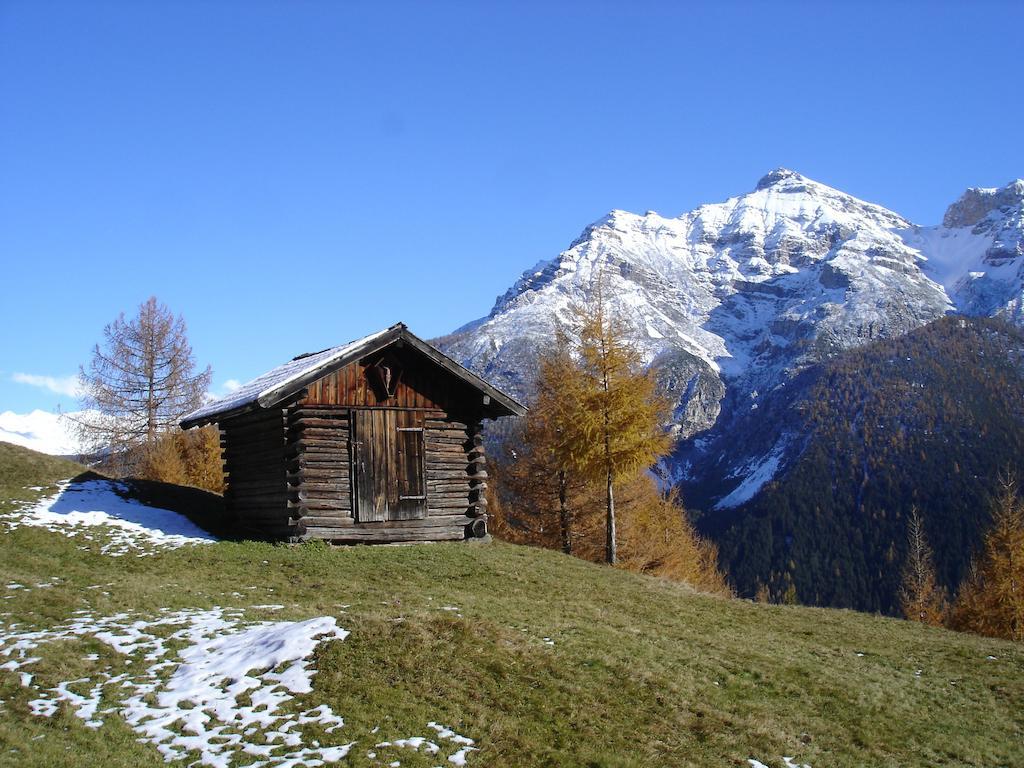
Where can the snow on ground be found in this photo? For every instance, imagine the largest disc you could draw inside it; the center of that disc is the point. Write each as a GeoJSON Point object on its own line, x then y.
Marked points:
{"type": "Point", "coordinates": [41, 431]}
{"type": "Point", "coordinates": [207, 686]}
{"type": "Point", "coordinates": [786, 761]}
{"type": "Point", "coordinates": [96, 511]}
{"type": "Point", "coordinates": [226, 698]}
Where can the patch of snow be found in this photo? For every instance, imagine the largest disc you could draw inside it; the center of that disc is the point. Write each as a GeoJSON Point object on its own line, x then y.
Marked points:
{"type": "Point", "coordinates": [96, 507]}
{"type": "Point", "coordinates": [459, 758]}
{"type": "Point", "coordinates": [225, 697]}
{"type": "Point", "coordinates": [212, 688]}
{"type": "Point", "coordinates": [444, 732]}
{"type": "Point", "coordinates": [756, 475]}
{"type": "Point", "coordinates": [414, 743]}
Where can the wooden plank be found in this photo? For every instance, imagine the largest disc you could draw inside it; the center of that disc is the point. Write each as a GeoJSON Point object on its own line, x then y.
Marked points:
{"type": "Point", "coordinates": [312, 434]}
{"type": "Point", "coordinates": [333, 520]}
{"type": "Point", "coordinates": [332, 478]}
{"type": "Point", "coordinates": [446, 427]}
{"type": "Point", "coordinates": [318, 446]}
{"type": "Point", "coordinates": [447, 489]}
{"type": "Point", "coordinates": [445, 474]}
{"type": "Point", "coordinates": [339, 412]}
{"type": "Point", "coordinates": [435, 462]}
{"type": "Point", "coordinates": [442, 440]}
{"type": "Point", "coordinates": [448, 503]}
{"type": "Point", "coordinates": [313, 509]}
{"type": "Point", "coordinates": [356, 535]}
{"type": "Point", "coordinates": [258, 486]}
{"type": "Point", "coordinates": [318, 422]}
{"type": "Point", "coordinates": [321, 490]}
{"type": "Point", "coordinates": [311, 463]}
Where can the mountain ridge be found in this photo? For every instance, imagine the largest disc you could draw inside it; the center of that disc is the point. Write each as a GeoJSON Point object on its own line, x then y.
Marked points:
{"type": "Point", "coordinates": [730, 302]}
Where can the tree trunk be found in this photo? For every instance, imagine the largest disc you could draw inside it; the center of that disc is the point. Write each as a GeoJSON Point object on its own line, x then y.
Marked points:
{"type": "Point", "coordinates": [611, 556]}
{"type": "Point", "coordinates": [563, 514]}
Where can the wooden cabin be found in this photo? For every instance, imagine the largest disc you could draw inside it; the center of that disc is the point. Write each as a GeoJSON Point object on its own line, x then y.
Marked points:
{"type": "Point", "coordinates": [378, 440]}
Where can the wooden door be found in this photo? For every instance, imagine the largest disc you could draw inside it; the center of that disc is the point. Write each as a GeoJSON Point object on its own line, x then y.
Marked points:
{"type": "Point", "coordinates": [387, 467]}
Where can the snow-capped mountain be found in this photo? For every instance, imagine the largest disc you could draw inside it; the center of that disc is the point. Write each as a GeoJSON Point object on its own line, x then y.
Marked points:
{"type": "Point", "coordinates": [731, 299]}
{"type": "Point", "coordinates": [41, 431]}
{"type": "Point", "coordinates": [976, 252]}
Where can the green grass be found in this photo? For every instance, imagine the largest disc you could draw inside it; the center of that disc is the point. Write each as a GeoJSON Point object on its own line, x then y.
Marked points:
{"type": "Point", "coordinates": [642, 672]}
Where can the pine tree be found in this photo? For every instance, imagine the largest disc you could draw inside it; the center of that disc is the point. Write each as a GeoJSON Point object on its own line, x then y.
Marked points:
{"type": "Point", "coordinates": [921, 597]}
{"type": "Point", "coordinates": [140, 381]}
{"type": "Point", "coordinates": [618, 429]}
{"type": "Point", "coordinates": [991, 600]}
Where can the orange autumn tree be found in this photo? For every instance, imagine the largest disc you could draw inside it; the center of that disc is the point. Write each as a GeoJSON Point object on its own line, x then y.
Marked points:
{"type": "Point", "coordinates": [540, 496]}
{"type": "Point", "coordinates": [620, 412]}
{"type": "Point", "coordinates": [538, 473]}
{"type": "Point", "coordinates": [991, 600]}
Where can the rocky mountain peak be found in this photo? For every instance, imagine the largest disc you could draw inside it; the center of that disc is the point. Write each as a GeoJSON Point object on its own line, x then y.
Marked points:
{"type": "Point", "coordinates": [978, 202]}
{"type": "Point", "coordinates": [772, 178]}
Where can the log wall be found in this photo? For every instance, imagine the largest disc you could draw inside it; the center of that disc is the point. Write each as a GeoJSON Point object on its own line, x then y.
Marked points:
{"type": "Point", "coordinates": [320, 480]}
{"type": "Point", "coordinates": [253, 448]}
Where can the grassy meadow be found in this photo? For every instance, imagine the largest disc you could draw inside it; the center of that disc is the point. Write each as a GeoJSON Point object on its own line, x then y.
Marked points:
{"type": "Point", "coordinates": [542, 659]}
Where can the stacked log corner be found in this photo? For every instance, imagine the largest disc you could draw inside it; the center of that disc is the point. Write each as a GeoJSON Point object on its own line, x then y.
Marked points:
{"type": "Point", "coordinates": [477, 485]}
{"type": "Point", "coordinates": [253, 449]}
{"type": "Point", "coordinates": [454, 468]}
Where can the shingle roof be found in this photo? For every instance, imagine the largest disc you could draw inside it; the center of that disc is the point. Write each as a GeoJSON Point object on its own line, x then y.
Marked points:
{"type": "Point", "coordinates": [278, 383]}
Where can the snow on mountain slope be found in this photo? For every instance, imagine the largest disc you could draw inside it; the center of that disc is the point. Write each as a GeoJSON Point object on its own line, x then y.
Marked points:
{"type": "Point", "coordinates": [740, 290]}
{"type": "Point", "coordinates": [731, 299]}
{"type": "Point", "coordinates": [41, 431]}
{"type": "Point", "coordinates": [976, 254]}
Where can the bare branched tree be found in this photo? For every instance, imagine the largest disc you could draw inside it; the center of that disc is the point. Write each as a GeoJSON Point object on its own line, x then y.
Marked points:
{"type": "Point", "coordinates": [921, 597]}
{"type": "Point", "coordinates": [140, 381]}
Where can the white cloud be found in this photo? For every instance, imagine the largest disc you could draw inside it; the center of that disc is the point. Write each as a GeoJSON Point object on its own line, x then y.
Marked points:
{"type": "Point", "coordinates": [231, 385]}
{"type": "Point", "coordinates": [64, 385]}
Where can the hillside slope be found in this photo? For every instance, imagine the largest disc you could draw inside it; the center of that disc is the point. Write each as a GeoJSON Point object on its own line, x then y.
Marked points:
{"type": "Point", "coordinates": [539, 658]}
{"type": "Point", "coordinates": [926, 420]}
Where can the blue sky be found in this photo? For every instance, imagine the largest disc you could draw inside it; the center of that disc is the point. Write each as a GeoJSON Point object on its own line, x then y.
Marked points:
{"type": "Point", "coordinates": [291, 175]}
